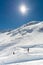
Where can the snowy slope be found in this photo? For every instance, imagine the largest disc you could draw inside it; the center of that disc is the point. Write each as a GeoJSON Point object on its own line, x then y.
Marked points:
{"type": "Point", "coordinates": [30, 36]}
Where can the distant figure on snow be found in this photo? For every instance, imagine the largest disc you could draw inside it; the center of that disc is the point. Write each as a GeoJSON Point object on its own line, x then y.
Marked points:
{"type": "Point", "coordinates": [28, 50]}
{"type": "Point", "coordinates": [13, 53]}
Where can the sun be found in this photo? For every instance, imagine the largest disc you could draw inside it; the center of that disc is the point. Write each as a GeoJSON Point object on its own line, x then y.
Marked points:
{"type": "Point", "coordinates": [23, 9]}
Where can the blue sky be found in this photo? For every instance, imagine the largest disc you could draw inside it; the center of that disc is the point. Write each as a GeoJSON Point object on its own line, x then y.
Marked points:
{"type": "Point", "coordinates": [10, 16]}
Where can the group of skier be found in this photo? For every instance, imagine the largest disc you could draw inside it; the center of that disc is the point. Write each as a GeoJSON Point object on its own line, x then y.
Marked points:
{"type": "Point", "coordinates": [27, 51]}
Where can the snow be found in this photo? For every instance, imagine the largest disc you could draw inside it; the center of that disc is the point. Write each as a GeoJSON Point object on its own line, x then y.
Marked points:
{"type": "Point", "coordinates": [30, 36]}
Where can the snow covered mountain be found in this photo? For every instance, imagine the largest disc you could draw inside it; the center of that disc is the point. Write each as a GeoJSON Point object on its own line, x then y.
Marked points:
{"type": "Point", "coordinates": [14, 45]}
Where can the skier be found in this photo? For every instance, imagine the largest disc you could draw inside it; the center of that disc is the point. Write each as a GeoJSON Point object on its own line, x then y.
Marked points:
{"type": "Point", "coordinates": [28, 50]}
{"type": "Point", "coordinates": [13, 53]}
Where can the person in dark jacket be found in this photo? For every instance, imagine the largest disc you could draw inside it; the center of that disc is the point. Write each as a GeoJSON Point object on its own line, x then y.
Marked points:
{"type": "Point", "coordinates": [28, 50]}
{"type": "Point", "coordinates": [13, 53]}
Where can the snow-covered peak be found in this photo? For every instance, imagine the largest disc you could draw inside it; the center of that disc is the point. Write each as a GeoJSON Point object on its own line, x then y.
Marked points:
{"type": "Point", "coordinates": [30, 31]}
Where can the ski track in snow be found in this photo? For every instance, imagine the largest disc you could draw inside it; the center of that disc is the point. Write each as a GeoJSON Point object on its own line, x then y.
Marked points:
{"type": "Point", "coordinates": [30, 36]}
